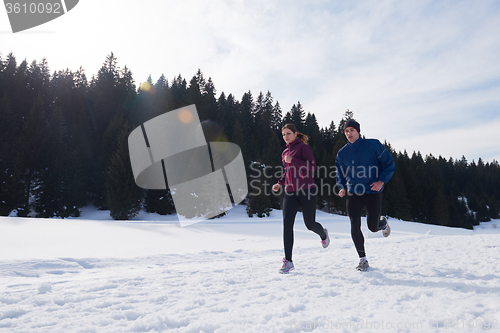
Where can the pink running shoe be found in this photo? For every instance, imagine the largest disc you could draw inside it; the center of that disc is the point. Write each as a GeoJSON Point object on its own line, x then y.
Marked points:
{"type": "Point", "coordinates": [326, 242]}
{"type": "Point", "coordinates": [287, 266]}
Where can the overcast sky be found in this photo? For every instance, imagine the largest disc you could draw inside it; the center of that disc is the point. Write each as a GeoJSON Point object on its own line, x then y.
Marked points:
{"type": "Point", "coordinates": [423, 75]}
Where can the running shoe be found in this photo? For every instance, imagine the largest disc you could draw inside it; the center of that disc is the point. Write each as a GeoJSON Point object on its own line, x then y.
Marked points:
{"type": "Point", "coordinates": [287, 266]}
{"type": "Point", "coordinates": [363, 265]}
{"type": "Point", "coordinates": [326, 241]}
{"type": "Point", "coordinates": [386, 231]}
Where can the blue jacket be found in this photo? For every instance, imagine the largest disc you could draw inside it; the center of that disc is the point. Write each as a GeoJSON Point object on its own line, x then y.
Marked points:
{"type": "Point", "coordinates": [299, 173]}
{"type": "Point", "coordinates": [362, 163]}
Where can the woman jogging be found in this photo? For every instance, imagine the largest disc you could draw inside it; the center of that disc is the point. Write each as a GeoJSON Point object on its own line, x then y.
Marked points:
{"type": "Point", "coordinates": [300, 190]}
{"type": "Point", "coordinates": [363, 167]}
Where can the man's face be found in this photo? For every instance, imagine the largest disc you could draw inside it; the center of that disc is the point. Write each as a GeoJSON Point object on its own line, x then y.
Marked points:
{"type": "Point", "coordinates": [351, 134]}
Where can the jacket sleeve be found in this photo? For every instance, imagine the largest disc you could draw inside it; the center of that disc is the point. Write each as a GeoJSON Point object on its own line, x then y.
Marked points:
{"type": "Point", "coordinates": [281, 181]}
{"type": "Point", "coordinates": [339, 171]}
{"type": "Point", "coordinates": [386, 163]}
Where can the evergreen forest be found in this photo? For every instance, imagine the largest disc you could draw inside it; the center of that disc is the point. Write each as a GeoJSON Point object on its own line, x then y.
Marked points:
{"type": "Point", "coordinates": [63, 145]}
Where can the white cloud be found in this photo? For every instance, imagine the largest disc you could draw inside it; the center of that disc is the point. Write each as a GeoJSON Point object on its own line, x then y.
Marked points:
{"type": "Point", "coordinates": [473, 141]}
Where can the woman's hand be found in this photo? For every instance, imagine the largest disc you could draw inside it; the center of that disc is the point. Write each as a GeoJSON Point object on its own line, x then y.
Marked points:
{"type": "Point", "coordinates": [276, 187]}
{"type": "Point", "coordinates": [288, 159]}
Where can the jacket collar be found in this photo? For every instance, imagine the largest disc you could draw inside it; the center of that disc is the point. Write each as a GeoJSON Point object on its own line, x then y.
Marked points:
{"type": "Point", "coordinates": [356, 143]}
{"type": "Point", "coordinates": [294, 142]}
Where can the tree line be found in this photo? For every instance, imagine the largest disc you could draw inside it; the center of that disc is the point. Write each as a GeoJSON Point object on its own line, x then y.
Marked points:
{"type": "Point", "coordinates": [64, 145]}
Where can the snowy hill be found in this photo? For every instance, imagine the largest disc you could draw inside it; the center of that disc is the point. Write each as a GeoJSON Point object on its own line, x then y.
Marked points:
{"type": "Point", "coordinates": [93, 274]}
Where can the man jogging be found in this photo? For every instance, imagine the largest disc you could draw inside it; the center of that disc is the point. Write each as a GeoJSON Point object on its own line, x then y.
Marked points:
{"type": "Point", "coordinates": [363, 167]}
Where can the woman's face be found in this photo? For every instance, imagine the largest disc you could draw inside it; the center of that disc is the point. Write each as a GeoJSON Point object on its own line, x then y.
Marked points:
{"type": "Point", "coordinates": [288, 135]}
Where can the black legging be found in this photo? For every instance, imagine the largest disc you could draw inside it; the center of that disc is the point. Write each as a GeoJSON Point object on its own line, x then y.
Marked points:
{"type": "Point", "coordinates": [373, 204]}
{"type": "Point", "coordinates": [291, 203]}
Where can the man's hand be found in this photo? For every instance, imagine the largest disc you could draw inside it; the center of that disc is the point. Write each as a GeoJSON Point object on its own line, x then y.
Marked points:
{"type": "Point", "coordinates": [341, 193]}
{"type": "Point", "coordinates": [377, 186]}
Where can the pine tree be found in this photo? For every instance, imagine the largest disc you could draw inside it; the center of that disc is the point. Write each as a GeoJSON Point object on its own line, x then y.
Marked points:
{"type": "Point", "coordinates": [60, 179]}
{"type": "Point", "coordinates": [396, 202]}
{"type": "Point", "coordinates": [21, 97]}
{"type": "Point", "coordinates": [105, 95]}
{"type": "Point", "coordinates": [159, 201]}
{"type": "Point", "coordinates": [124, 197]}
{"type": "Point", "coordinates": [210, 101]}
{"type": "Point", "coordinates": [246, 114]}
{"type": "Point", "coordinates": [29, 145]}
{"type": "Point", "coordinates": [109, 146]}
{"type": "Point", "coordinates": [276, 117]}
{"type": "Point", "coordinates": [312, 130]}
{"type": "Point", "coordinates": [195, 93]}
{"type": "Point", "coordinates": [263, 124]}
{"type": "Point", "coordinates": [440, 212]}
{"type": "Point", "coordinates": [259, 202]}
{"type": "Point", "coordinates": [340, 139]}
{"type": "Point", "coordinates": [11, 194]}
{"type": "Point", "coordinates": [287, 119]}
{"type": "Point", "coordinates": [272, 168]}
{"type": "Point", "coordinates": [326, 182]}
{"type": "Point", "coordinates": [298, 114]}
{"type": "Point", "coordinates": [179, 96]}
{"type": "Point", "coordinates": [328, 136]}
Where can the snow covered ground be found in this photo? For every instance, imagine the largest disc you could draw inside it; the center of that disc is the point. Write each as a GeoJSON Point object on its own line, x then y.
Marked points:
{"type": "Point", "coordinates": [93, 274]}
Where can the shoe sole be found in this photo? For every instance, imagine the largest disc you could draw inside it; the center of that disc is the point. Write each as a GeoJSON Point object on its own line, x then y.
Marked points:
{"type": "Point", "coordinates": [328, 238]}
{"type": "Point", "coordinates": [387, 232]}
{"type": "Point", "coordinates": [362, 269]}
{"type": "Point", "coordinates": [282, 272]}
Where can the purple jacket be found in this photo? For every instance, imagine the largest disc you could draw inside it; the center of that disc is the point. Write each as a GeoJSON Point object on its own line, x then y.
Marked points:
{"type": "Point", "coordinates": [299, 172]}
